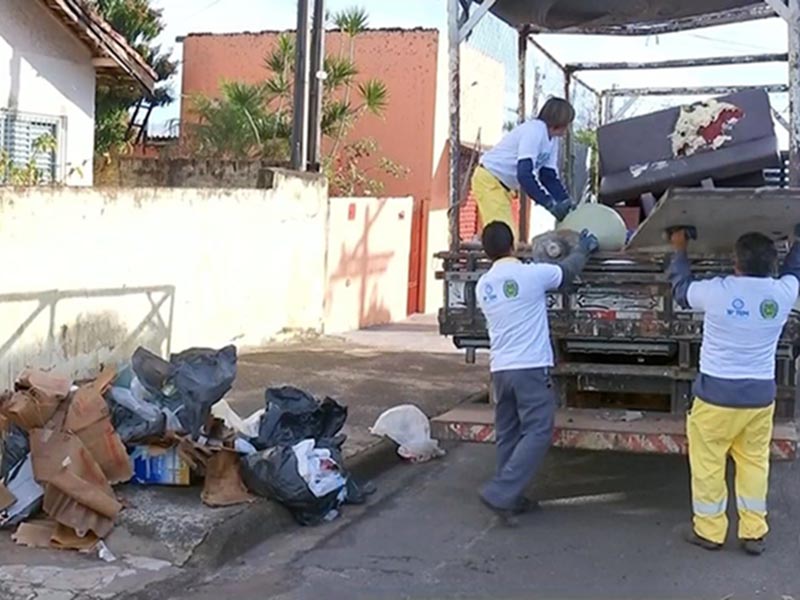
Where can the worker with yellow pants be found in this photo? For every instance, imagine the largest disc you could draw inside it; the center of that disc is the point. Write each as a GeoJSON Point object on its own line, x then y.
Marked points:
{"type": "Point", "coordinates": [525, 159]}
{"type": "Point", "coordinates": [734, 393]}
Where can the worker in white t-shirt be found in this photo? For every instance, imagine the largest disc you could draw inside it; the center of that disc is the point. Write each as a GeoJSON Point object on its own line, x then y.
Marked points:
{"type": "Point", "coordinates": [734, 393]}
{"type": "Point", "coordinates": [525, 159]}
{"type": "Point", "coordinates": [513, 297]}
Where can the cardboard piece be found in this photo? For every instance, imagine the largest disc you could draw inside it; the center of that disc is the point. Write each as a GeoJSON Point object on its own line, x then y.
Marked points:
{"type": "Point", "coordinates": [195, 454]}
{"type": "Point", "coordinates": [30, 409]}
{"type": "Point", "coordinates": [64, 538]}
{"type": "Point", "coordinates": [77, 492]}
{"type": "Point", "coordinates": [6, 497]}
{"type": "Point", "coordinates": [88, 417]}
{"type": "Point", "coordinates": [88, 406]}
{"type": "Point", "coordinates": [49, 534]}
{"type": "Point", "coordinates": [47, 383]}
{"type": "Point", "coordinates": [36, 398]}
{"type": "Point", "coordinates": [223, 485]}
{"type": "Point", "coordinates": [35, 534]}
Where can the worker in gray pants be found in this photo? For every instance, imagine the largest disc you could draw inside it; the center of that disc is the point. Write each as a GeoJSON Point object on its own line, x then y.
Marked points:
{"type": "Point", "coordinates": [513, 298]}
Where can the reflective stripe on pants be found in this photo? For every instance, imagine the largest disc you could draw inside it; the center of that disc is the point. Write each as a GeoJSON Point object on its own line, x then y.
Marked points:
{"type": "Point", "coordinates": [493, 200]}
{"type": "Point", "coordinates": [714, 432]}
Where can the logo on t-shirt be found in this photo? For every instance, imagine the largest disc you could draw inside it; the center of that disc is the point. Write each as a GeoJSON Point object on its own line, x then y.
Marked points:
{"type": "Point", "coordinates": [769, 309]}
{"type": "Point", "coordinates": [510, 288]}
{"type": "Point", "coordinates": [737, 309]}
{"type": "Point", "coordinates": [488, 293]}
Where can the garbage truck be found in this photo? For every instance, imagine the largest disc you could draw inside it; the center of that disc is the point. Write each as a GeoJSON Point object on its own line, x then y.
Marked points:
{"type": "Point", "coordinates": [626, 353]}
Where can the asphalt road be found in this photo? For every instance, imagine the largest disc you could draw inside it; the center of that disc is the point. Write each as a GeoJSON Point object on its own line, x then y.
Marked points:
{"type": "Point", "coordinates": [609, 529]}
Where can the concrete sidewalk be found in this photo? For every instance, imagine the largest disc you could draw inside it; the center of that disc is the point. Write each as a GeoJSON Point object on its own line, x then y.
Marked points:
{"type": "Point", "coordinates": [164, 529]}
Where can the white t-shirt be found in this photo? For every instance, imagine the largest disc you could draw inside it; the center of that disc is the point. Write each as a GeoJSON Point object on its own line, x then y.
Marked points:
{"type": "Point", "coordinates": [744, 317]}
{"type": "Point", "coordinates": [528, 140]}
{"type": "Point", "coordinates": [512, 296]}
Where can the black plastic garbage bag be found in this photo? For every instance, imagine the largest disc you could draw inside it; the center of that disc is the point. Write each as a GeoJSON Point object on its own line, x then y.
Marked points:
{"type": "Point", "coordinates": [131, 427]}
{"type": "Point", "coordinates": [202, 377]}
{"type": "Point", "coordinates": [15, 448]}
{"type": "Point", "coordinates": [293, 415]}
{"type": "Point", "coordinates": [190, 384]}
{"type": "Point", "coordinates": [274, 474]}
{"type": "Point", "coordinates": [152, 371]}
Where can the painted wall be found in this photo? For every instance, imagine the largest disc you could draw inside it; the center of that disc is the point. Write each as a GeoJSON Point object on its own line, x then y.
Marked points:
{"type": "Point", "coordinates": [107, 270]}
{"type": "Point", "coordinates": [368, 250]}
{"type": "Point", "coordinates": [403, 59]}
{"type": "Point", "coordinates": [482, 110]}
{"type": "Point", "coordinates": [46, 71]}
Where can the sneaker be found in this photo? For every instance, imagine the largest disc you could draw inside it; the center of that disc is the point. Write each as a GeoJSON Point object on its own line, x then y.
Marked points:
{"type": "Point", "coordinates": [690, 536]}
{"type": "Point", "coordinates": [754, 547]}
{"type": "Point", "coordinates": [505, 516]}
{"type": "Point", "coordinates": [526, 505]}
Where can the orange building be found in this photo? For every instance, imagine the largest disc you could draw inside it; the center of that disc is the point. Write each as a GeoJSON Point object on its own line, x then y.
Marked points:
{"type": "Point", "coordinates": [412, 132]}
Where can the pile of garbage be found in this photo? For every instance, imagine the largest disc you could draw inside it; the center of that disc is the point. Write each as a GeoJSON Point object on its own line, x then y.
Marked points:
{"type": "Point", "coordinates": [157, 422]}
{"type": "Point", "coordinates": [298, 459]}
{"type": "Point", "coordinates": [66, 445]}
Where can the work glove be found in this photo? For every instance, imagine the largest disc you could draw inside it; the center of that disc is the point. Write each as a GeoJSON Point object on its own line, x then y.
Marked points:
{"type": "Point", "coordinates": [588, 242]}
{"type": "Point", "coordinates": [561, 209]}
{"type": "Point", "coordinates": [679, 237]}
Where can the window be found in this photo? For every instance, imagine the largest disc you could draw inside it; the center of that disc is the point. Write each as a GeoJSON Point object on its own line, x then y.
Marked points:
{"type": "Point", "coordinates": [19, 134]}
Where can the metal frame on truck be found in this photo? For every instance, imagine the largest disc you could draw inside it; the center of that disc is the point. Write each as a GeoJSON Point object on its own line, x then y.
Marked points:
{"type": "Point", "coordinates": [619, 333]}
{"type": "Point", "coordinates": [464, 16]}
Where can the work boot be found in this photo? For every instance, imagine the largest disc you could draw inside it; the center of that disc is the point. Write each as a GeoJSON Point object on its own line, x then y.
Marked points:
{"type": "Point", "coordinates": [526, 505]}
{"type": "Point", "coordinates": [506, 517]}
{"type": "Point", "coordinates": [754, 547]}
{"type": "Point", "coordinates": [690, 536]}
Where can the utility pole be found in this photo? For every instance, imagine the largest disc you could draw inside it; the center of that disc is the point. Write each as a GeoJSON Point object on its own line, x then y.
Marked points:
{"type": "Point", "coordinates": [301, 85]}
{"type": "Point", "coordinates": [317, 76]}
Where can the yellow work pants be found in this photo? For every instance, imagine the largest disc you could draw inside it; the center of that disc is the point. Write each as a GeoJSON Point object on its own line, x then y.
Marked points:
{"type": "Point", "coordinates": [493, 200]}
{"type": "Point", "coordinates": [714, 433]}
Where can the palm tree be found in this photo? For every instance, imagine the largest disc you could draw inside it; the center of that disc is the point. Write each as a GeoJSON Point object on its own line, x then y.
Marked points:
{"type": "Point", "coordinates": [255, 121]}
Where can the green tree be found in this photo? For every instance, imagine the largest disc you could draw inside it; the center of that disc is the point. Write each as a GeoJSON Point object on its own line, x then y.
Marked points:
{"type": "Point", "coordinates": [255, 121]}
{"type": "Point", "coordinates": [140, 24]}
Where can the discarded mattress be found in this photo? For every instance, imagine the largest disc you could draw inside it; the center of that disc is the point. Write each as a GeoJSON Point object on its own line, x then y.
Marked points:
{"type": "Point", "coordinates": [714, 139]}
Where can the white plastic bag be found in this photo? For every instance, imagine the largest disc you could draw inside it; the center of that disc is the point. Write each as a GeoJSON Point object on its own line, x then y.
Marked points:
{"type": "Point", "coordinates": [317, 467]}
{"type": "Point", "coordinates": [247, 427]}
{"type": "Point", "coordinates": [407, 426]}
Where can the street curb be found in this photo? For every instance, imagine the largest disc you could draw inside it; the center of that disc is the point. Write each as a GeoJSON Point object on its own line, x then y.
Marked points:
{"type": "Point", "coordinates": [261, 521]}
{"type": "Point", "coordinates": [265, 518]}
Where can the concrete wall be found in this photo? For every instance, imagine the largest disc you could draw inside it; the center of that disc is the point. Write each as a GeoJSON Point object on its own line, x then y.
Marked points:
{"type": "Point", "coordinates": [46, 71]}
{"type": "Point", "coordinates": [368, 250]}
{"type": "Point", "coordinates": [100, 272]}
{"type": "Point", "coordinates": [133, 171]}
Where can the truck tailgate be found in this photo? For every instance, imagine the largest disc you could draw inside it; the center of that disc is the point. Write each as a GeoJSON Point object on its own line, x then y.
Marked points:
{"type": "Point", "coordinates": [720, 217]}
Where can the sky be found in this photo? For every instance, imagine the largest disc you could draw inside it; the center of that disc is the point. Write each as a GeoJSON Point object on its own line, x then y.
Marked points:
{"type": "Point", "coordinates": [226, 16]}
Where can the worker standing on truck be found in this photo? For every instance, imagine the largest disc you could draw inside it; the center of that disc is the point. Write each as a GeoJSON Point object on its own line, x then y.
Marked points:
{"type": "Point", "coordinates": [734, 393]}
{"type": "Point", "coordinates": [525, 159]}
{"type": "Point", "coordinates": [513, 297]}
